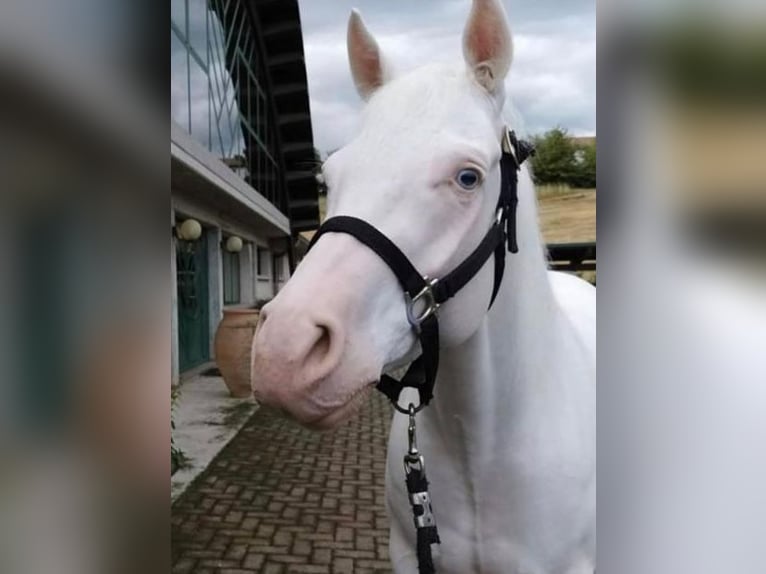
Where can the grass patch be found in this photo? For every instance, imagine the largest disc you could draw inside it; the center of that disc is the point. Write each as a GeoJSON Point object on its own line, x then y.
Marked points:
{"type": "Point", "coordinates": [548, 190]}
{"type": "Point", "coordinates": [566, 215]}
{"type": "Point", "coordinates": [178, 460]}
{"type": "Point", "coordinates": [235, 415]}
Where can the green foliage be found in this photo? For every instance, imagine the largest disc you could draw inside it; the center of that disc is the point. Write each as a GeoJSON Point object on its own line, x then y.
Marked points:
{"type": "Point", "coordinates": [560, 160]}
{"type": "Point", "coordinates": [553, 161]}
{"type": "Point", "coordinates": [585, 167]}
{"type": "Point", "coordinates": [178, 458]}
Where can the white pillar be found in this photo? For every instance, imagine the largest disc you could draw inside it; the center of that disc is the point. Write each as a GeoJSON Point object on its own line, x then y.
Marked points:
{"type": "Point", "coordinates": [215, 281]}
{"type": "Point", "coordinates": [265, 284]}
{"type": "Point", "coordinates": [246, 275]}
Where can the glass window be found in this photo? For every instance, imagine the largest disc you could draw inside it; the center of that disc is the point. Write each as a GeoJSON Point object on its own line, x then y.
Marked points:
{"type": "Point", "coordinates": [259, 170]}
{"type": "Point", "coordinates": [231, 36]}
{"type": "Point", "coordinates": [228, 120]}
{"type": "Point", "coordinates": [216, 88]}
{"type": "Point", "coordinates": [230, 103]}
{"type": "Point", "coordinates": [255, 116]}
{"type": "Point", "coordinates": [250, 55]}
{"type": "Point", "coordinates": [179, 81]}
{"type": "Point", "coordinates": [248, 152]}
{"type": "Point", "coordinates": [228, 6]}
{"type": "Point", "coordinates": [216, 38]}
{"type": "Point", "coordinates": [279, 263]}
{"type": "Point", "coordinates": [263, 261]}
{"type": "Point", "coordinates": [244, 101]}
{"type": "Point", "coordinates": [274, 182]}
{"type": "Point", "coordinates": [269, 181]}
{"type": "Point", "coordinates": [217, 148]}
{"type": "Point", "coordinates": [251, 110]}
{"type": "Point", "coordinates": [245, 46]}
{"type": "Point", "coordinates": [178, 14]}
{"type": "Point", "coordinates": [200, 103]}
{"type": "Point", "coordinates": [225, 134]}
{"type": "Point", "coordinates": [262, 122]}
{"type": "Point", "coordinates": [231, 290]}
{"type": "Point", "coordinates": [238, 143]}
{"type": "Point", "coordinates": [198, 28]}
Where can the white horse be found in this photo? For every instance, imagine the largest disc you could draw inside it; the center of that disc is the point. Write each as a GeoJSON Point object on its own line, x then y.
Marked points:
{"type": "Point", "coordinates": [509, 438]}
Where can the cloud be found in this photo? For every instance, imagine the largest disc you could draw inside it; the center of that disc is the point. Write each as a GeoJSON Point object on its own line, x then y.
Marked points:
{"type": "Point", "coordinates": [552, 81]}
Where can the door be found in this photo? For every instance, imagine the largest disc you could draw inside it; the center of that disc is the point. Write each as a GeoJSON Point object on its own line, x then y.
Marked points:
{"type": "Point", "coordinates": [193, 312]}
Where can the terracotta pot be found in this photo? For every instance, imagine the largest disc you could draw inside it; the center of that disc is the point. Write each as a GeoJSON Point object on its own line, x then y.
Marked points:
{"type": "Point", "coordinates": [233, 347]}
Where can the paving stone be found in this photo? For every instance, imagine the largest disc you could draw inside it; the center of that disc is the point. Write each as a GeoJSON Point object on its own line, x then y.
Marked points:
{"type": "Point", "coordinates": [254, 561]}
{"type": "Point", "coordinates": [279, 499]}
{"type": "Point", "coordinates": [184, 566]}
{"type": "Point", "coordinates": [307, 569]}
{"type": "Point", "coordinates": [343, 566]}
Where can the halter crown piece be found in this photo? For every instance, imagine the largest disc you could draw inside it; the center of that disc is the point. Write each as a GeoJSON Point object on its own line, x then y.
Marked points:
{"type": "Point", "coordinates": [424, 296]}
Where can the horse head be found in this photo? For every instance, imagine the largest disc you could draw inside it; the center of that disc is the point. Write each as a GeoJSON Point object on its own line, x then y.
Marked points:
{"type": "Point", "coordinates": [424, 170]}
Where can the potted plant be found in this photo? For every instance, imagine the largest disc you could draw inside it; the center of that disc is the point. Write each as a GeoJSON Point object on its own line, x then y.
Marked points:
{"type": "Point", "coordinates": [233, 347]}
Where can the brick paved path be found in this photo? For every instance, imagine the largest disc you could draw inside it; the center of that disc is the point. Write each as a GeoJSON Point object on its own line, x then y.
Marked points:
{"type": "Point", "coordinates": [280, 499]}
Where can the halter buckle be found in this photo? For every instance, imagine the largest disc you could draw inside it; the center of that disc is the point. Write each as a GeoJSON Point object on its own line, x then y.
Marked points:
{"type": "Point", "coordinates": [507, 143]}
{"type": "Point", "coordinates": [422, 501]}
{"type": "Point", "coordinates": [431, 306]}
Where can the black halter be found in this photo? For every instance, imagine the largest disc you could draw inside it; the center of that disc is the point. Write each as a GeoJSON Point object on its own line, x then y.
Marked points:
{"type": "Point", "coordinates": [434, 292]}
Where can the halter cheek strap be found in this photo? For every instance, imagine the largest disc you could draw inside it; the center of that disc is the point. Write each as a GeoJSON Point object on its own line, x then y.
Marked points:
{"type": "Point", "coordinates": [424, 295]}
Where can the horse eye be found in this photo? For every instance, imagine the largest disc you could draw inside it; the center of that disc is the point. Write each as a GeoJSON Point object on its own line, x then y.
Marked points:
{"type": "Point", "coordinates": [468, 179]}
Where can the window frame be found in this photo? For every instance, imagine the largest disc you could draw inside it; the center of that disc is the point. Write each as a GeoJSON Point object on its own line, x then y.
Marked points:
{"type": "Point", "coordinates": [231, 266]}
{"type": "Point", "coordinates": [260, 273]}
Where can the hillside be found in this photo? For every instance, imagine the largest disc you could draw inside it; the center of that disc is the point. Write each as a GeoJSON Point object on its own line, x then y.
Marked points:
{"type": "Point", "coordinates": [566, 215]}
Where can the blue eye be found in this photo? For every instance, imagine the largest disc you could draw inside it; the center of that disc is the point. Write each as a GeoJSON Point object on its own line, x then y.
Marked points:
{"type": "Point", "coordinates": [468, 179]}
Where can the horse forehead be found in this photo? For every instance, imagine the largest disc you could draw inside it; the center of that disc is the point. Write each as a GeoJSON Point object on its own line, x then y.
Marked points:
{"type": "Point", "coordinates": [429, 100]}
{"type": "Point", "coordinates": [430, 116]}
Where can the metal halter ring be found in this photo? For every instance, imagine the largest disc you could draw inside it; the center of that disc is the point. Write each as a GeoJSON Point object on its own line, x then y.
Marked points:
{"type": "Point", "coordinates": [427, 294]}
{"type": "Point", "coordinates": [410, 410]}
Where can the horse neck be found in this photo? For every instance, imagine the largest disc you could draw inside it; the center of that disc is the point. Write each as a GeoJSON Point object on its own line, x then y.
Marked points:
{"type": "Point", "coordinates": [493, 374]}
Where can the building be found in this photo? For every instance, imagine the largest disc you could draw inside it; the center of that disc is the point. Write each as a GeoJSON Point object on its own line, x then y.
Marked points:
{"type": "Point", "coordinates": [242, 154]}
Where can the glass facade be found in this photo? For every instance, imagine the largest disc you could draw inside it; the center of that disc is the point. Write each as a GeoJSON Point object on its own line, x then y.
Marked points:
{"type": "Point", "coordinates": [219, 91]}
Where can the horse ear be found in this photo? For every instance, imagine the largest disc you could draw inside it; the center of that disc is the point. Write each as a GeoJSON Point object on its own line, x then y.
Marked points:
{"type": "Point", "coordinates": [367, 67]}
{"type": "Point", "coordinates": [487, 45]}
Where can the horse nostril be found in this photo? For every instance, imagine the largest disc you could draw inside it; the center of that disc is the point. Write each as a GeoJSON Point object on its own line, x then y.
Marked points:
{"type": "Point", "coordinates": [321, 351]}
{"type": "Point", "coordinates": [321, 346]}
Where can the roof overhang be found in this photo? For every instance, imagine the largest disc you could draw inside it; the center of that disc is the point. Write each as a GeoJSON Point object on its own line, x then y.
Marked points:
{"type": "Point", "coordinates": [280, 30]}
{"type": "Point", "coordinates": [198, 174]}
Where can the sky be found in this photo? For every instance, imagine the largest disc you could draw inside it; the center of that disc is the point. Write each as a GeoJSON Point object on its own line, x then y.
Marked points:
{"type": "Point", "coordinates": [552, 81]}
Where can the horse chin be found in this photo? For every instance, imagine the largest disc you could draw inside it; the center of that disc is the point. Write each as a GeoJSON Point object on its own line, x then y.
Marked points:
{"type": "Point", "coordinates": [393, 367]}
{"type": "Point", "coordinates": [342, 414]}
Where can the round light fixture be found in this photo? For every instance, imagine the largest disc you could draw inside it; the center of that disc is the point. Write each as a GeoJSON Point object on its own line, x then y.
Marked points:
{"type": "Point", "coordinates": [189, 230]}
{"type": "Point", "coordinates": [234, 244]}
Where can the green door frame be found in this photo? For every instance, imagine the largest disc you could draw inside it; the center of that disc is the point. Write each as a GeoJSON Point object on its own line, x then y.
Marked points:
{"type": "Point", "coordinates": [193, 303]}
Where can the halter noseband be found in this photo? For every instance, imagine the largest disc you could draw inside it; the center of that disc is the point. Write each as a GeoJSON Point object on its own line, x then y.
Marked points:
{"type": "Point", "coordinates": [434, 292]}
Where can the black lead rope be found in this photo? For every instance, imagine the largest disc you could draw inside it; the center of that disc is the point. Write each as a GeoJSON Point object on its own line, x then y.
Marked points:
{"type": "Point", "coordinates": [420, 499]}
{"type": "Point", "coordinates": [424, 296]}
